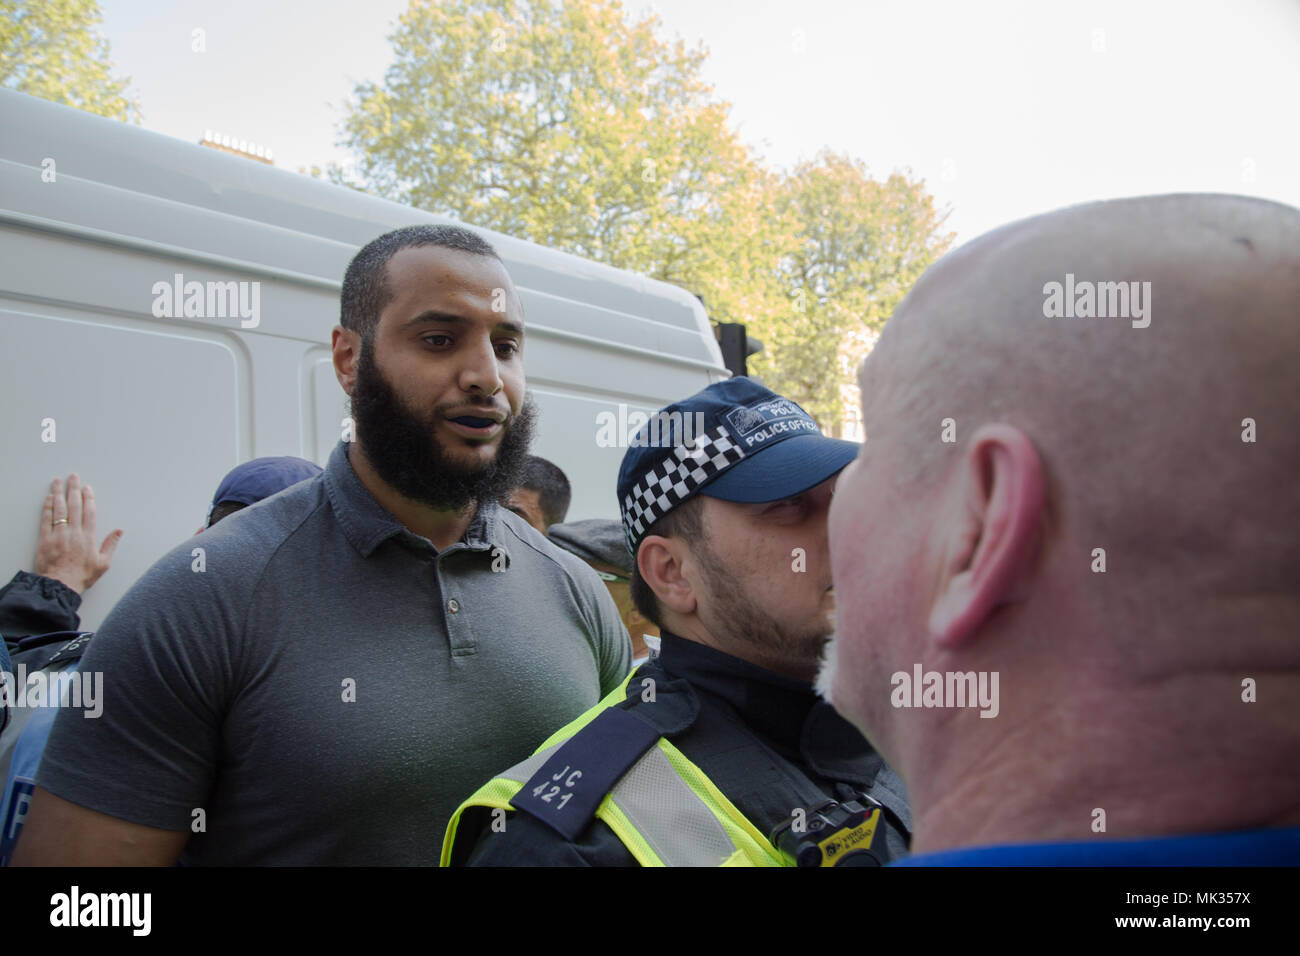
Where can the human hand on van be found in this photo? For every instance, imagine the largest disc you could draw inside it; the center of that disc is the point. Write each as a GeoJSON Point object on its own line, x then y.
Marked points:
{"type": "Point", "coordinates": [66, 549]}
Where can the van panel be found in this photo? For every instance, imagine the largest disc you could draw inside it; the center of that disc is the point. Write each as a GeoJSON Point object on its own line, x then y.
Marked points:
{"type": "Point", "coordinates": [147, 417]}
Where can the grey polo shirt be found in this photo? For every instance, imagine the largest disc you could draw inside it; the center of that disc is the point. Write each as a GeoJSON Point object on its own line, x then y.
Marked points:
{"type": "Point", "coordinates": [310, 683]}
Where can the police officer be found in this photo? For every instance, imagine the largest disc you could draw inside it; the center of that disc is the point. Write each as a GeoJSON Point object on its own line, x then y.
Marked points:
{"type": "Point", "coordinates": [718, 751]}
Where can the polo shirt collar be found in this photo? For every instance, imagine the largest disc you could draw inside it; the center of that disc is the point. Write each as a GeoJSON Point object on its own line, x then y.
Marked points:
{"type": "Point", "coordinates": [367, 524]}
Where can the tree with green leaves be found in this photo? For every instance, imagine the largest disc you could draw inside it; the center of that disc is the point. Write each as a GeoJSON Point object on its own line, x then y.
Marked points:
{"type": "Point", "coordinates": [856, 246]}
{"type": "Point", "coordinates": [52, 49]}
{"type": "Point", "coordinates": [564, 123]}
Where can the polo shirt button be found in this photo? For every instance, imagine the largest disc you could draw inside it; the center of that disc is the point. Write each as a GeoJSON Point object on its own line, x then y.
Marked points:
{"type": "Point", "coordinates": [453, 605]}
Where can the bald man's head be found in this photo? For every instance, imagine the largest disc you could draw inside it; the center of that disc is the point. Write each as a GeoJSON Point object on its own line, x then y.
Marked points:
{"type": "Point", "coordinates": [1123, 417]}
{"type": "Point", "coordinates": [1111, 386]}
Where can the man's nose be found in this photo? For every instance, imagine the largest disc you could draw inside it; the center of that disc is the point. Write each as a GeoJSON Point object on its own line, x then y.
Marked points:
{"type": "Point", "coordinates": [481, 371]}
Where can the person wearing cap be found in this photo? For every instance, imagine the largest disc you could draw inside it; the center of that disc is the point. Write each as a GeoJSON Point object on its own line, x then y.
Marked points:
{"type": "Point", "coordinates": [249, 483]}
{"type": "Point", "coordinates": [718, 751]}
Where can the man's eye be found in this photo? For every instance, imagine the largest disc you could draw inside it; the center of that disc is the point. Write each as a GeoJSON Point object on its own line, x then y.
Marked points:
{"type": "Point", "coordinates": [438, 341]}
{"type": "Point", "coordinates": [508, 348]}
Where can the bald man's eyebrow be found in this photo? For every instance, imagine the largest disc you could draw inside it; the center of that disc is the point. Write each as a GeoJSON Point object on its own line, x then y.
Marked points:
{"type": "Point", "coordinates": [434, 317]}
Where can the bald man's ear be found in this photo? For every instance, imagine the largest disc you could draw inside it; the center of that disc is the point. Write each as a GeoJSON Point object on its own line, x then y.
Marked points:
{"type": "Point", "coordinates": [346, 346]}
{"type": "Point", "coordinates": [990, 537]}
{"type": "Point", "coordinates": [661, 562]}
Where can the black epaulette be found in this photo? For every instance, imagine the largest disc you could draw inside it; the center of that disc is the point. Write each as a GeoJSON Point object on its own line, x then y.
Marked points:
{"type": "Point", "coordinates": [566, 790]}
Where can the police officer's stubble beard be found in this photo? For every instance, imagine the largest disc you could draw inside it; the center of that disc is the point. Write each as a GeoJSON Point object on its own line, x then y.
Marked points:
{"type": "Point", "coordinates": [403, 448]}
{"type": "Point", "coordinates": [736, 617]}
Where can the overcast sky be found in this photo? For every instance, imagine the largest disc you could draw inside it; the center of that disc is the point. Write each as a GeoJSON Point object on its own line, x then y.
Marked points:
{"type": "Point", "coordinates": [1006, 108]}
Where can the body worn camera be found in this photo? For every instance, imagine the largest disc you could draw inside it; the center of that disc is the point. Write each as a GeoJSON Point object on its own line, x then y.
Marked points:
{"type": "Point", "coordinates": [834, 834]}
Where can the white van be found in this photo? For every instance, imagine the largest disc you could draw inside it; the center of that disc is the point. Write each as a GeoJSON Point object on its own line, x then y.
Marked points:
{"type": "Point", "coordinates": [99, 218]}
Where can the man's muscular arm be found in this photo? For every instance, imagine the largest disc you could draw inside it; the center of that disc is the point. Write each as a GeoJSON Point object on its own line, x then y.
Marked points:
{"type": "Point", "coordinates": [60, 833]}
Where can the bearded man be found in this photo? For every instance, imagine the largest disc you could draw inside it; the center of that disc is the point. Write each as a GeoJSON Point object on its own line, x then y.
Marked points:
{"type": "Point", "coordinates": [347, 664]}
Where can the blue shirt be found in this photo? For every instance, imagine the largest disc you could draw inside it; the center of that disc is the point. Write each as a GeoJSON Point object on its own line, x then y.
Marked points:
{"type": "Point", "coordinates": [1279, 847]}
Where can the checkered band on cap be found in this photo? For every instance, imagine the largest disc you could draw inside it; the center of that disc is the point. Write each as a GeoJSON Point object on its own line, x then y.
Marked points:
{"type": "Point", "coordinates": [675, 479]}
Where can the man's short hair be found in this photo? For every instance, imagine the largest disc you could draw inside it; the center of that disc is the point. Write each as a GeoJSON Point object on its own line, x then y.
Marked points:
{"type": "Point", "coordinates": [365, 284]}
{"type": "Point", "coordinates": [552, 487]}
{"type": "Point", "coordinates": [225, 510]}
{"type": "Point", "coordinates": [686, 521]}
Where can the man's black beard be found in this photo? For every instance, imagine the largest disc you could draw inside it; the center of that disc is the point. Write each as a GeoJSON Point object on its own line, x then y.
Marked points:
{"type": "Point", "coordinates": [403, 448]}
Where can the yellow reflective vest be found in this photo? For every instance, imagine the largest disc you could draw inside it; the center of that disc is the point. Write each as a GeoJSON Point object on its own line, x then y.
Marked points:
{"type": "Point", "coordinates": [664, 809]}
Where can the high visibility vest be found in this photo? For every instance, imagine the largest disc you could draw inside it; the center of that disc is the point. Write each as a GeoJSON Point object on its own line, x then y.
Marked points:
{"type": "Point", "coordinates": [664, 809]}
